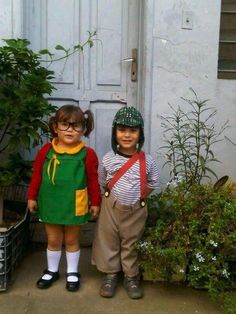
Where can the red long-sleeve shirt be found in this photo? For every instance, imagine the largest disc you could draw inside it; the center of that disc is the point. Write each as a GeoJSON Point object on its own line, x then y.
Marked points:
{"type": "Point", "coordinates": [91, 166]}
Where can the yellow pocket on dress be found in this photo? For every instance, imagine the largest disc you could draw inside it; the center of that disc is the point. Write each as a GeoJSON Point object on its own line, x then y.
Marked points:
{"type": "Point", "coordinates": [81, 202]}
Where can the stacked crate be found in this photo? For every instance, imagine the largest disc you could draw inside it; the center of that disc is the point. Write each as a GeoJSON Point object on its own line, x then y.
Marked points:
{"type": "Point", "coordinates": [13, 244]}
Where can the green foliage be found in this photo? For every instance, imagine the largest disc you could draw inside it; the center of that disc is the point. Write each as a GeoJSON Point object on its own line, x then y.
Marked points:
{"type": "Point", "coordinates": [23, 84]}
{"type": "Point", "coordinates": [192, 232]}
{"type": "Point", "coordinates": [15, 170]}
{"type": "Point", "coordinates": [23, 106]}
{"type": "Point", "coordinates": [189, 140]}
{"type": "Point", "coordinates": [228, 300]}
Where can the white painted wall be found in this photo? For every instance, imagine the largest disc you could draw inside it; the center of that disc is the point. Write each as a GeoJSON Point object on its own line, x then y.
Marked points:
{"type": "Point", "coordinates": [174, 59]}
{"type": "Point", "coordinates": [178, 59]}
{"type": "Point", "coordinates": [11, 19]}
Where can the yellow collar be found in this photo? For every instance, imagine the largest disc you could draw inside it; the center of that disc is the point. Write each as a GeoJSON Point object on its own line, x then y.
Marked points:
{"type": "Point", "coordinates": [69, 151]}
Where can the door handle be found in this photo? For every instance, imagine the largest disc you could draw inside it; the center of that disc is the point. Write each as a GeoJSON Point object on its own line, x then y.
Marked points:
{"type": "Point", "coordinates": [128, 60]}
{"type": "Point", "coordinates": [134, 64]}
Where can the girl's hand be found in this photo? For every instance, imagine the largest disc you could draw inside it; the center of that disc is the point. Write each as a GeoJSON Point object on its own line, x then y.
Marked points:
{"type": "Point", "coordinates": [94, 210]}
{"type": "Point", "coordinates": [32, 206]}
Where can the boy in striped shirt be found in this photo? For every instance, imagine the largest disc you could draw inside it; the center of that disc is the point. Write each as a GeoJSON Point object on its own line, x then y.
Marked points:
{"type": "Point", "coordinates": [128, 176]}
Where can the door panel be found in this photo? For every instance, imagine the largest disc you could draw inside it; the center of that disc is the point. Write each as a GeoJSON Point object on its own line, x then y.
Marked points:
{"type": "Point", "coordinates": [101, 138]}
{"type": "Point", "coordinates": [98, 79]}
{"type": "Point", "coordinates": [109, 52]}
{"type": "Point", "coordinates": [64, 33]}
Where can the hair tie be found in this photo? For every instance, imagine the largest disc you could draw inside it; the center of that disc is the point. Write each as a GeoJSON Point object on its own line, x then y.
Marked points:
{"type": "Point", "coordinates": [85, 115]}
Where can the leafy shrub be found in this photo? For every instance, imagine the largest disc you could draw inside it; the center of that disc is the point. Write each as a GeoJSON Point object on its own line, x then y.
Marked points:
{"type": "Point", "coordinates": [191, 236]}
{"type": "Point", "coordinates": [191, 227]}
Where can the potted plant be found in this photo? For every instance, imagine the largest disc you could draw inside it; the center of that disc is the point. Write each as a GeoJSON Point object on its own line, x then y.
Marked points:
{"type": "Point", "coordinates": [191, 228]}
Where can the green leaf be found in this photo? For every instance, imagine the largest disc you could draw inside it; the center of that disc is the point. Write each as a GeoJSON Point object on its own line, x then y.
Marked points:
{"type": "Point", "coordinates": [45, 52]}
{"type": "Point", "coordinates": [211, 171]}
{"type": "Point", "coordinates": [78, 47]}
{"type": "Point", "coordinates": [59, 47]}
{"type": "Point", "coordinates": [90, 43]}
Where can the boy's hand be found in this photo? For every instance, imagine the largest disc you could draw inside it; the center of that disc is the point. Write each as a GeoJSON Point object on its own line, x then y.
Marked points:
{"type": "Point", "coordinates": [32, 206]}
{"type": "Point", "coordinates": [94, 210]}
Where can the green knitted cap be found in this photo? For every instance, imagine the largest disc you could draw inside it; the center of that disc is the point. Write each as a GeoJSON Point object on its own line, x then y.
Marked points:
{"type": "Point", "coordinates": [130, 117]}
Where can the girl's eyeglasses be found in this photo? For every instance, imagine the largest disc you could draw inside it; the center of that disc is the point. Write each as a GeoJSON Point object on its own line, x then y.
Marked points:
{"type": "Point", "coordinates": [64, 126]}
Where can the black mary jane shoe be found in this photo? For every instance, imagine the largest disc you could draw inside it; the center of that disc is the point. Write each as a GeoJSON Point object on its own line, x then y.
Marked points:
{"type": "Point", "coordinates": [73, 285]}
{"type": "Point", "coordinates": [46, 283]}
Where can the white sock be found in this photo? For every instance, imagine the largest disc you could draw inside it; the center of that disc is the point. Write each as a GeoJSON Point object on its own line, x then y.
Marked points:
{"type": "Point", "coordinates": [53, 258]}
{"type": "Point", "coordinates": [72, 259]}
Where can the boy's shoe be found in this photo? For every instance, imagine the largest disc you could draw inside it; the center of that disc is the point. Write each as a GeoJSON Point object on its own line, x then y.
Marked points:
{"type": "Point", "coordinates": [108, 286]}
{"type": "Point", "coordinates": [46, 283]}
{"type": "Point", "coordinates": [131, 285]}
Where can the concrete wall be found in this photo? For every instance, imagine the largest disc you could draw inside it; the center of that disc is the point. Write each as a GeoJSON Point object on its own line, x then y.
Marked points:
{"type": "Point", "coordinates": [178, 59]}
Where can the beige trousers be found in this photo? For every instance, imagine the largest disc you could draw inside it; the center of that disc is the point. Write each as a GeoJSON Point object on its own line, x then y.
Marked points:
{"type": "Point", "coordinates": [118, 229]}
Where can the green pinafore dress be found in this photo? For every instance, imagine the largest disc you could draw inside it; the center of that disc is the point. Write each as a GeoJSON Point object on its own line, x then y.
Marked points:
{"type": "Point", "coordinates": [63, 197]}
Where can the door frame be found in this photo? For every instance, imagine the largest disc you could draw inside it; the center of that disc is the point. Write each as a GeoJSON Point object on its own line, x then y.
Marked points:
{"type": "Point", "coordinates": [146, 43]}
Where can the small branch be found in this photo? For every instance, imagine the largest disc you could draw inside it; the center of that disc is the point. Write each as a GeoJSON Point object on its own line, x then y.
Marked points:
{"type": "Point", "coordinates": [4, 132]}
{"type": "Point", "coordinates": [88, 42]}
{"type": "Point", "coordinates": [228, 139]}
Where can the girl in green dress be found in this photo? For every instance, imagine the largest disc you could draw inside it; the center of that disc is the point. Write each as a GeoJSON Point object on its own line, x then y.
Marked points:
{"type": "Point", "coordinates": [64, 190]}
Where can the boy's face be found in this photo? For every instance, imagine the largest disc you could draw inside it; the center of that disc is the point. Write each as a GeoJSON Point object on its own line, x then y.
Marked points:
{"type": "Point", "coordinates": [127, 138]}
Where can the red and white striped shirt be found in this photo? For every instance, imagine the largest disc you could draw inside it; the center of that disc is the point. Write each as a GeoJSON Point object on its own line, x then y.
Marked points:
{"type": "Point", "coordinates": [127, 188]}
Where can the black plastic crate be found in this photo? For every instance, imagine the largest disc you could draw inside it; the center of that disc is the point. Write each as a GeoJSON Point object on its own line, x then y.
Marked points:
{"type": "Point", "coordinates": [13, 245]}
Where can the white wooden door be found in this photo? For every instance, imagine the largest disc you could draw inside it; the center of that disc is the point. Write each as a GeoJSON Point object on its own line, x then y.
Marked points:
{"type": "Point", "coordinates": [98, 79]}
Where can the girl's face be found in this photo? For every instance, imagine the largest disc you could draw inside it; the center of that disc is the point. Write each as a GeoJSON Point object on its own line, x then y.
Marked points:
{"type": "Point", "coordinates": [127, 138]}
{"type": "Point", "coordinates": [69, 134]}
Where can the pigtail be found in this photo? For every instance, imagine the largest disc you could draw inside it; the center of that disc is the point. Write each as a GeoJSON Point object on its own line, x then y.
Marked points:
{"type": "Point", "coordinates": [51, 125]}
{"type": "Point", "coordinates": [89, 122]}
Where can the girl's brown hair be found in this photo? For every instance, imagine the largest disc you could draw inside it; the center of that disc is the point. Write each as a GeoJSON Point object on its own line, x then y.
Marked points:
{"type": "Point", "coordinates": [71, 112]}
